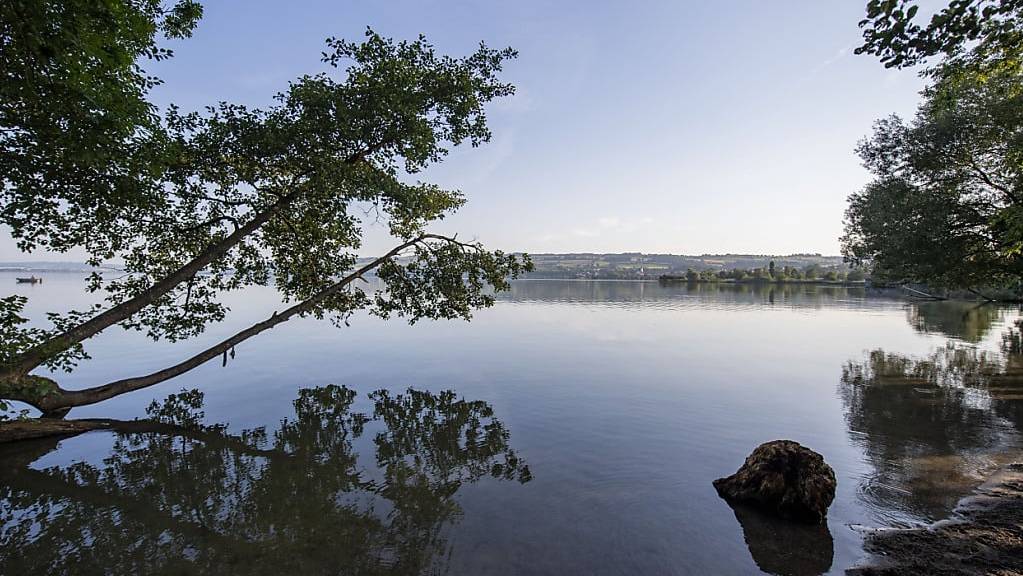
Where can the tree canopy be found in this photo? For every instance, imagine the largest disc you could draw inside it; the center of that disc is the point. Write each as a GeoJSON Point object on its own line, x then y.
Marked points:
{"type": "Point", "coordinates": [945, 206]}
{"type": "Point", "coordinates": [894, 33]}
{"type": "Point", "coordinates": [74, 118]}
{"type": "Point", "coordinates": [196, 203]}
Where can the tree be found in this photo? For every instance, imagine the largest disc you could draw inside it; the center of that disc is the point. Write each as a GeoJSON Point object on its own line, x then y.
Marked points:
{"type": "Point", "coordinates": [993, 27]}
{"type": "Point", "coordinates": [945, 205]}
{"type": "Point", "coordinates": [855, 275]}
{"type": "Point", "coordinates": [196, 204]}
{"type": "Point", "coordinates": [73, 110]}
{"type": "Point", "coordinates": [708, 276]}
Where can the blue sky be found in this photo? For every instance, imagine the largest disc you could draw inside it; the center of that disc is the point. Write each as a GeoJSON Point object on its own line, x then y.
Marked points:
{"type": "Point", "coordinates": [653, 126]}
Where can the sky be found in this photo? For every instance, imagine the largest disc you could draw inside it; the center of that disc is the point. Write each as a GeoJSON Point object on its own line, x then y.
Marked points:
{"type": "Point", "coordinates": [645, 126]}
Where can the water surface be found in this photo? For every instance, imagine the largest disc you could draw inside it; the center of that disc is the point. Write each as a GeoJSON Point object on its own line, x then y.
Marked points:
{"type": "Point", "coordinates": [573, 428]}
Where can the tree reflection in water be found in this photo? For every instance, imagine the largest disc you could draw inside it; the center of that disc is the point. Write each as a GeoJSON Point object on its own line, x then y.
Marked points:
{"type": "Point", "coordinates": [174, 496]}
{"type": "Point", "coordinates": [931, 427]}
{"type": "Point", "coordinates": [967, 321]}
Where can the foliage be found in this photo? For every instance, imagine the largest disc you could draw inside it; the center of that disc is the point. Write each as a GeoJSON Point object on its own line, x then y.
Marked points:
{"type": "Point", "coordinates": [17, 338]}
{"type": "Point", "coordinates": [398, 106]}
{"type": "Point", "coordinates": [855, 275]}
{"type": "Point", "coordinates": [443, 282]}
{"type": "Point", "coordinates": [198, 203]}
{"type": "Point", "coordinates": [892, 31]}
{"type": "Point", "coordinates": [75, 123]}
{"type": "Point", "coordinates": [810, 273]}
{"type": "Point", "coordinates": [944, 207]}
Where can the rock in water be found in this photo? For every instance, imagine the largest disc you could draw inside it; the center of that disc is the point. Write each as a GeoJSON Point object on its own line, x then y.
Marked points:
{"type": "Point", "coordinates": [784, 478]}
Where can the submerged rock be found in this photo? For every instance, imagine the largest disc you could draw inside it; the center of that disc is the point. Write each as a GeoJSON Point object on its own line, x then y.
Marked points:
{"type": "Point", "coordinates": [785, 478]}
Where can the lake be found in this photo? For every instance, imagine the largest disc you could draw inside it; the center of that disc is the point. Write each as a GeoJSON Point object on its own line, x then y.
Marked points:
{"type": "Point", "coordinates": [575, 427]}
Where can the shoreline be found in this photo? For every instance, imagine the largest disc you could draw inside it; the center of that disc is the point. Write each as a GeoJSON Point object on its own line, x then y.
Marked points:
{"type": "Point", "coordinates": [984, 535]}
{"type": "Point", "coordinates": [734, 282]}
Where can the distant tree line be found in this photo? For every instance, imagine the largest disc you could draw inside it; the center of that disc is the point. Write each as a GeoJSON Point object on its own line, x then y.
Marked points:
{"type": "Point", "coordinates": [772, 273]}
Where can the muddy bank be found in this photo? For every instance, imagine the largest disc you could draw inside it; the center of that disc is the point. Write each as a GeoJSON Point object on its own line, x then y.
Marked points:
{"type": "Point", "coordinates": [985, 536]}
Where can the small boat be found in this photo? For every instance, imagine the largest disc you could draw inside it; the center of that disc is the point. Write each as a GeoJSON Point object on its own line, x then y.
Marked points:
{"type": "Point", "coordinates": [29, 280]}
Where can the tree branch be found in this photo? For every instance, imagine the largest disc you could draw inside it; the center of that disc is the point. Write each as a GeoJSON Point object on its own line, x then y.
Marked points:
{"type": "Point", "coordinates": [39, 353]}
{"type": "Point", "coordinates": [987, 180]}
{"type": "Point", "coordinates": [70, 398]}
{"type": "Point", "coordinates": [221, 201]}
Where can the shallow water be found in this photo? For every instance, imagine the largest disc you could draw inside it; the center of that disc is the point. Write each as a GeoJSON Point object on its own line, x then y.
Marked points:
{"type": "Point", "coordinates": [586, 424]}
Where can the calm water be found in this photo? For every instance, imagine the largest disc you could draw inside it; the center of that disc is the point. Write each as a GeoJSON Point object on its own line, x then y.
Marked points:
{"type": "Point", "coordinates": [573, 428]}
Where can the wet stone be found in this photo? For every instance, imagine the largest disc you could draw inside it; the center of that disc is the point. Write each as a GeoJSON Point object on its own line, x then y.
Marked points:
{"type": "Point", "coordinates": [783, 478]}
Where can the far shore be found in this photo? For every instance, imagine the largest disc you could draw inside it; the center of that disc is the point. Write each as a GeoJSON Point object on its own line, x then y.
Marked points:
{"type": "Point", "coordinates": [763, 281]}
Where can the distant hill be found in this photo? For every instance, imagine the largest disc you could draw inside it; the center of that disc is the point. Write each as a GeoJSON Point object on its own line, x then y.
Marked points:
{"type": "Point", "coordinates": [629, 265]}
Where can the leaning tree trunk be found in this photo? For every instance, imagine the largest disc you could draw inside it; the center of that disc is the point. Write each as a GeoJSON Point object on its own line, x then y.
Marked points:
{"type": "Point", "coordinates": [55, 402]}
